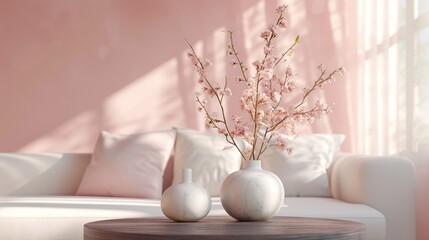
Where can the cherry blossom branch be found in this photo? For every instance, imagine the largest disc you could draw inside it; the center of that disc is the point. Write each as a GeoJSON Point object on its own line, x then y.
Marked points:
{"type": "Point", "coordinates": [318, 83]}
{"type": "Point", "coordinates": [232, 51]}
{"type": "Point", "coordinates": [287, 51]}
{"type": "Point", "coordinates": [263, 97]}
{"type": "Point", "coordinates": [220, 101]}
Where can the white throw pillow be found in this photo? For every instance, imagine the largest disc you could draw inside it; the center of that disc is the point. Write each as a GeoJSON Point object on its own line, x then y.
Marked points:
{"type": "Point", "coordinates": [304, 172]}
{"type": "Point", "coordinates": [128, 165]}
{"type": "Point", "coordinates": [209, 156]}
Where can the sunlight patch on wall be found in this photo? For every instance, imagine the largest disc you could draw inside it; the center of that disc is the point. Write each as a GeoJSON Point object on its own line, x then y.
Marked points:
{"type": "Point", "coordinates": [335, 16]}
{"type": "Point", "coordinates": [368, 14]}
{"type": "Point", "coordinates": [218, 52]}
{"type": "Point", "coordinates": [296, 15]}
{"type": "Point", "coordinates": [254, 21]}
{"type": "Point", "coordinates": [143, 104]}
{"type": "Point", "coordinates": [220, 60]}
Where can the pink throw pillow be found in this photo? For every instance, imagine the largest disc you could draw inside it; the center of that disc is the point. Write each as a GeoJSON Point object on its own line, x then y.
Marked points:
{"type": "Point", "coordinates": [128, 165]}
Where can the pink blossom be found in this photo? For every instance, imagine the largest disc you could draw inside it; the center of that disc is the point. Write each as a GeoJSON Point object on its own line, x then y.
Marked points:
{"type": "Point", "coordinates": [238, 131]}
{"type": "Point", "coordinates": [257, 64]}
{"type": "Point", "coordinates": [282, 23]}
{"type": "Point", "coordinates": [281, 143]}
{"type": "Point", "coordinates": [294, 130]}
{"type": "Point", "coordinates": [246, 100]}
{"type": "Point", "coordinates": [227, 92]}
{"type": "Point", "coordinates": [280, 9]}
{"type": "Point", "coordinates": [290, 86]}
{"type": "Point", "coordinates": [221, 130]}
{"type": "Point", "coordinates": [275, 78]}
{"type": "Point", "coordinates": [260, 115]}
{"type": "Point", "coordinates": [274, 30]}
{"type": "Point", "coordinates": [202, 73]}
{"type": "Point", "coordinates": [329, 109]}
{"type": "Point", "coordinates": [209, 91]}
{"type": "Point", "coordinates": [217, 87]}
{"type": "Point", "coordinates": [207, 63]}
{"type": "Point", "coordinates": [266, 34]}
{"type": "Point", "coordinates": [269, 62]}
{"type": "Point", "coordinates": [320, 104]}
{"type": "Point", "coordinates": [289, 72]}
{"type": "Point", "coordinates": [251, 82]}
{"type": "Point", "coordinates": [208, 122]}
{"type": "Point", "coordinates": [266, 74]}
{"type": "Point", "coordinates": [236, 119]}
{"type": "Point", "coordinates": [268, 50]}
{"type": "Point", "coordinates": [276, 96]}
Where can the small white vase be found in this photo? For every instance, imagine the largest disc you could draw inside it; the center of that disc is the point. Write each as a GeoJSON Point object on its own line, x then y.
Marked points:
{"type": "Point", "coordinates": [252, 193]}
{"type": "Point", "coordinates": [186, 201]}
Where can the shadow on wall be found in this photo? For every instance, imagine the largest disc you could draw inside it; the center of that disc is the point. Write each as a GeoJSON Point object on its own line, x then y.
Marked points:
{"type": "Point", "coordinates": [73, 68]}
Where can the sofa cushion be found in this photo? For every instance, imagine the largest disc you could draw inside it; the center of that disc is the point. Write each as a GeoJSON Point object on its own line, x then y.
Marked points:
{"type": "Point", "coordinates": [321, 207]}
{"type": "Point", "coordinates": [53, 218]}
{"type": "Point", "coordinates": [209, 155]}
{"type": "Point", "coordinates": [128, 165]}
{"type": "Point", "coordinates": [304, 172]}
{"type": "Point", "coordinates": [63, 217]}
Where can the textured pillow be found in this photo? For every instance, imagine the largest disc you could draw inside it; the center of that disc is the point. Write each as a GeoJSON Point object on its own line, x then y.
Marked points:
{"type": "Point", "coordinates": [208, 155]}
{"type": "Point", "coordinates": [304, 172]}
{"type": "Point", "coordinates": [128, 165]}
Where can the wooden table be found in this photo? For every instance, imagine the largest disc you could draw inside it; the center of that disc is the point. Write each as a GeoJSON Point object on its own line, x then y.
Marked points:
{"type": "Point", "coordinates": [223, 228]}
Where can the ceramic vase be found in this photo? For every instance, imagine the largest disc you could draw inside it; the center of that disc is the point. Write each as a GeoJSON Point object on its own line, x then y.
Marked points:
{"type": "Point", "coordinates": [186, 201]}
{"type": "Point", "coordinates": [252, 193]}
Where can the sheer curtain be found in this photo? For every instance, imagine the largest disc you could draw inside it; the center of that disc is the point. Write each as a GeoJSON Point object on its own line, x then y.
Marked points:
{"type": "Point", "coordinates": [389, 100]}
{"type": "Point", "coordinates": [388, 91]}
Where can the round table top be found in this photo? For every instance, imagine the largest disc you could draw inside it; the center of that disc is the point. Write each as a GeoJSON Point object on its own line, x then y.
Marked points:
{"type": "Point", "coordinates": [224, 227]}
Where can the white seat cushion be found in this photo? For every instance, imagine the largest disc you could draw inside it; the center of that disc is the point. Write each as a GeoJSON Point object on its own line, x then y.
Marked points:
{"type": "Point", "coordinates": [64, 217]}
{"type": "Point", "coordinates": [336, 209]}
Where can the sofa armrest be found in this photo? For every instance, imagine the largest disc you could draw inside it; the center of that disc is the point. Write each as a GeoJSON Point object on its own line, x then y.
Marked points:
{"type": "Point", "coordinates": [39, 174]}
{"type": "Point", "coordinates": [385, 183]}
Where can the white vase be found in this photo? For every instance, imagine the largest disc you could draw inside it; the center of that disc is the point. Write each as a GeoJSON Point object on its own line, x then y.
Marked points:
{"type": "Point", "coordinates": [186, 201]}
{"type": "Point", "coordinates": [252, 194]}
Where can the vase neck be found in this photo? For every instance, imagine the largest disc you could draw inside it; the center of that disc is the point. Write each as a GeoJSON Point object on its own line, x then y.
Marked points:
{"type": "Point", "coordinates": [187, 175]}
{"type": "Point", "coordinates": [253, 164]}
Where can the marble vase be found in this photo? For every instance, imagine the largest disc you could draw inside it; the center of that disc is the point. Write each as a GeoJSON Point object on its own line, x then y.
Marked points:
{"type": "Point", "coordinates": [186, 201]}
{"type": "Point", "coordinates": [252, 193]}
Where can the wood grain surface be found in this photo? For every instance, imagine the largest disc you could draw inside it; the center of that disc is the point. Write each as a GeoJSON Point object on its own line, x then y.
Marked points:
{"type": "Point", "coordinates": [224, 227]}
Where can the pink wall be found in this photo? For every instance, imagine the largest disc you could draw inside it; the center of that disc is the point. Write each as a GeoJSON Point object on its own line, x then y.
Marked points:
{"type": "Point", "coordinates": [72, 68]}
{"type": "Point", "coordinates": [69, 69]}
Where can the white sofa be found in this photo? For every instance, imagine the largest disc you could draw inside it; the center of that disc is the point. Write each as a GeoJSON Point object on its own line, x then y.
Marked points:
{"type": "Point", "coordinates": [37, 197]}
